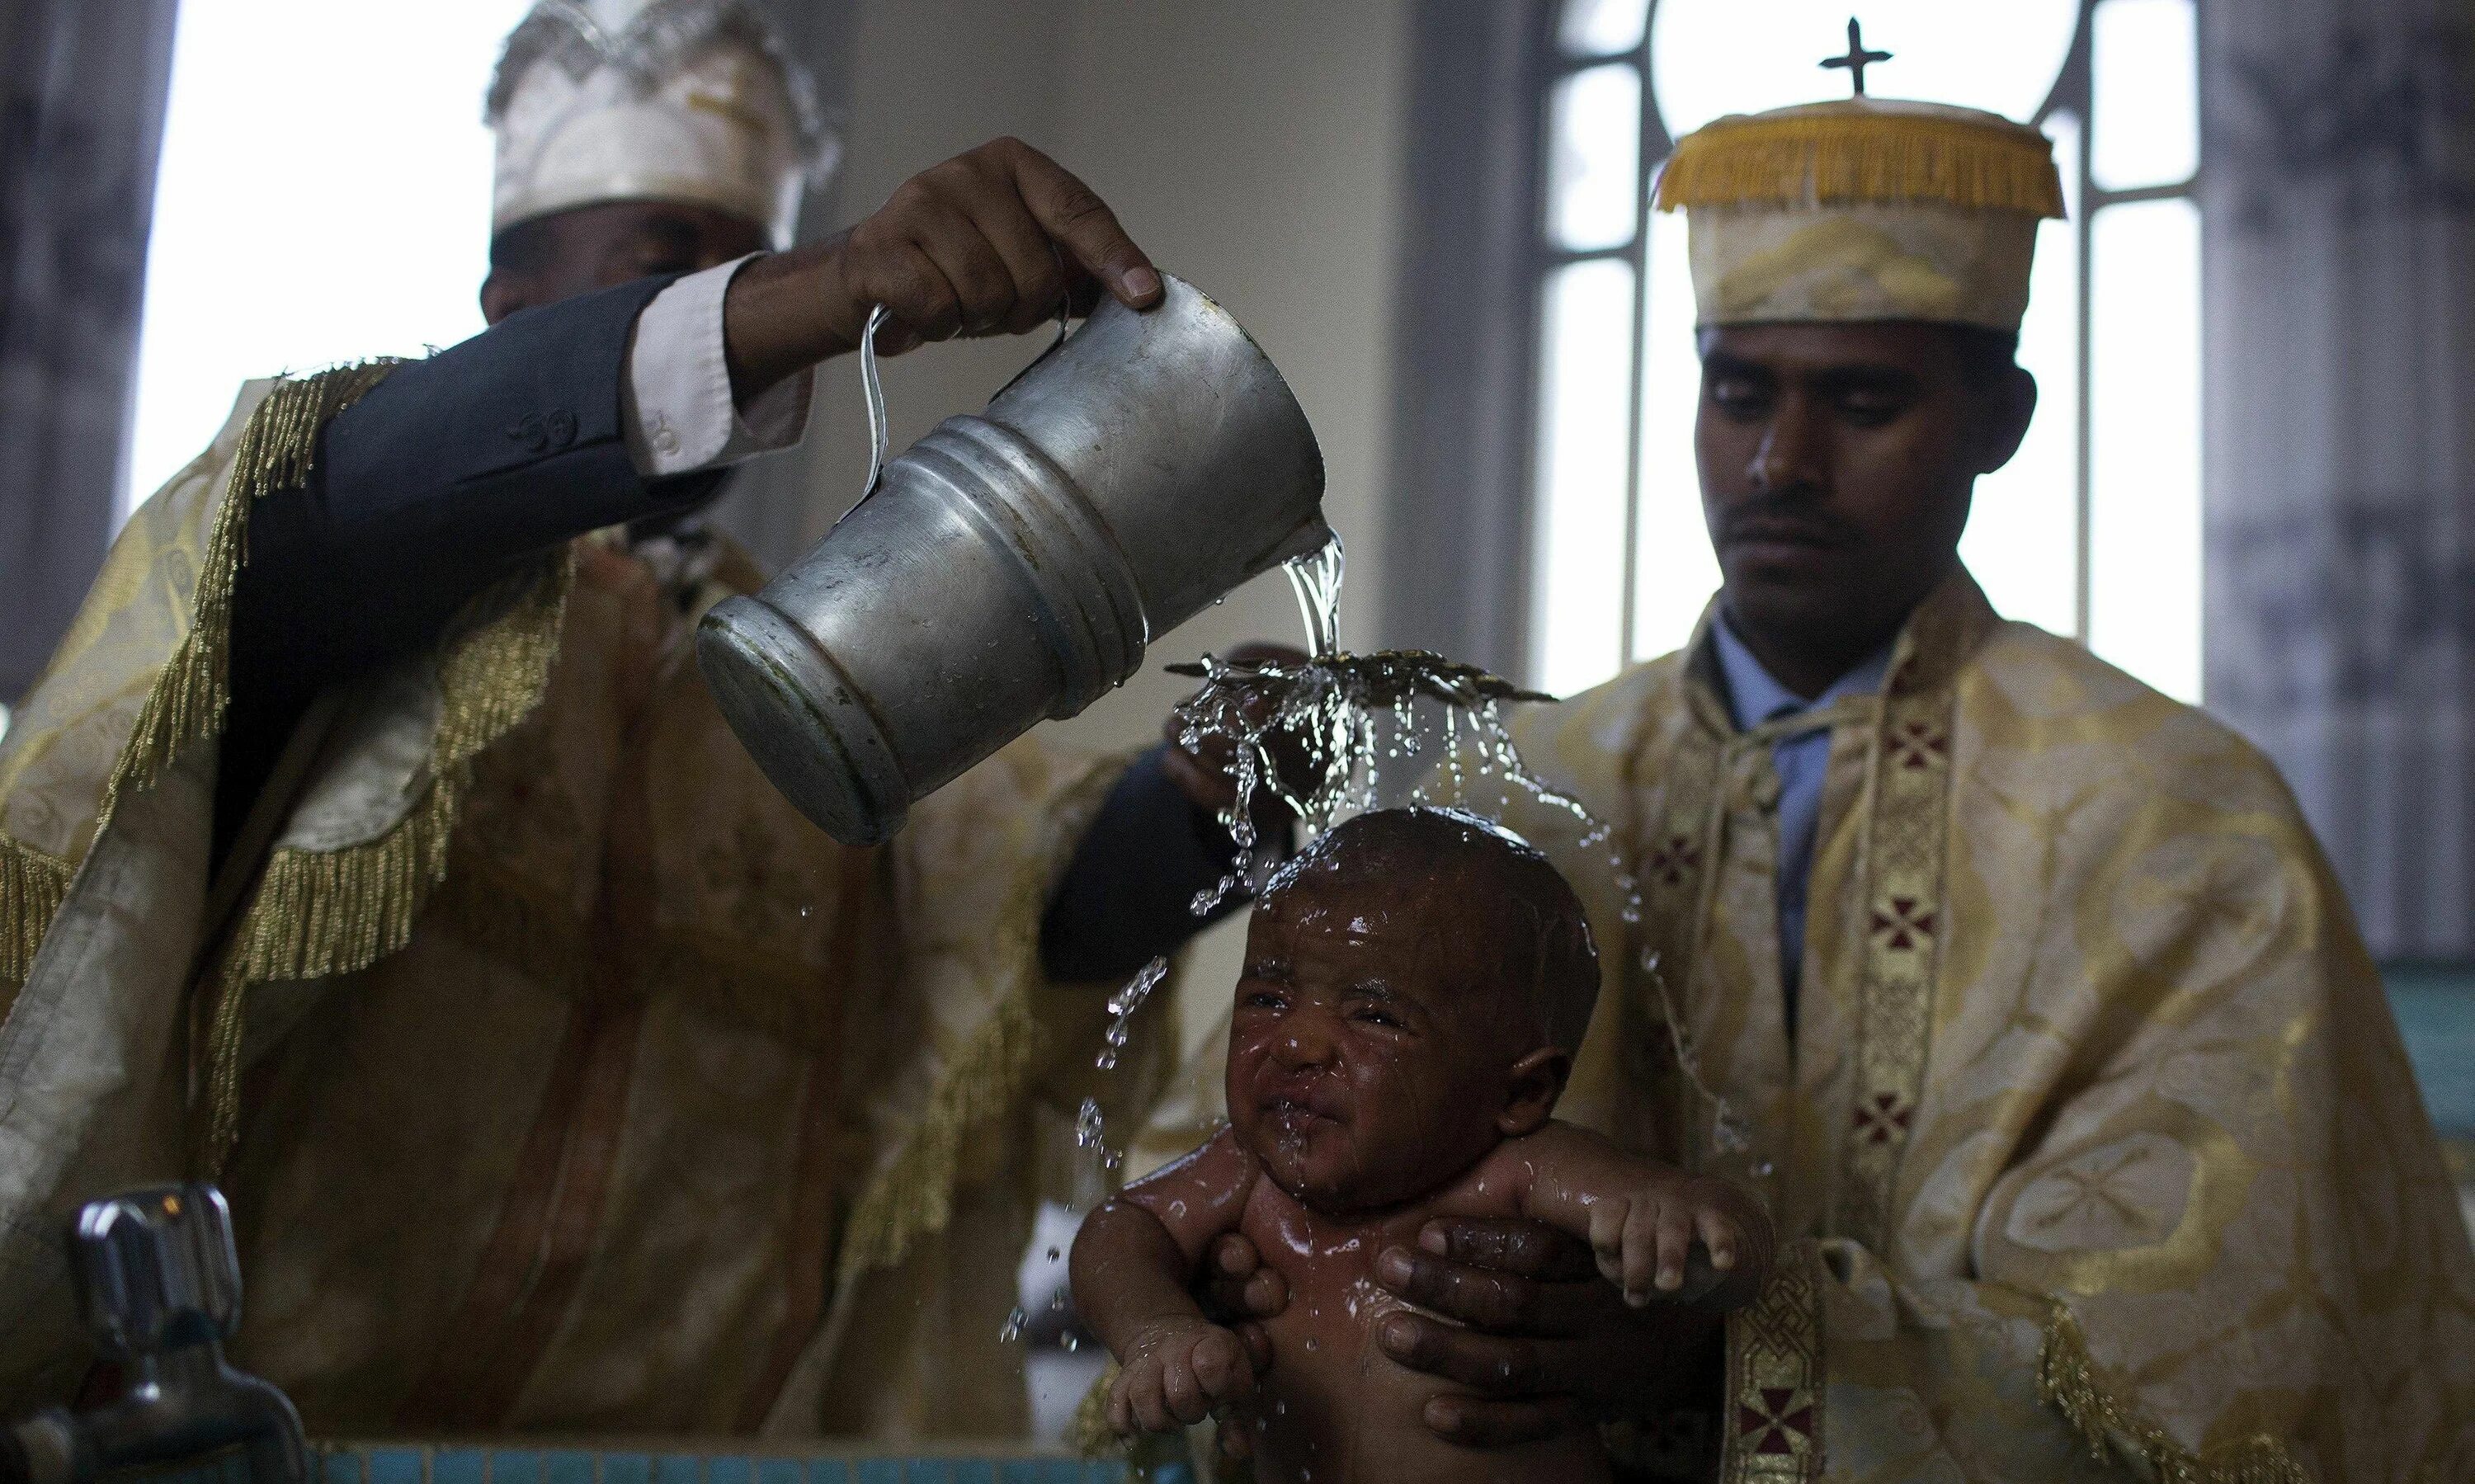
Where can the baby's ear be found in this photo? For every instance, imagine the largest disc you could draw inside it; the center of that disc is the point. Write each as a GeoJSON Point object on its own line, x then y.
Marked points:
{"type": "Point", "coordinates": [1530, 1090]}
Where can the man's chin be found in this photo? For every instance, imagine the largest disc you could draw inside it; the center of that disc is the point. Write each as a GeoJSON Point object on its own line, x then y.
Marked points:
{"type": "Point", "coordinates": [1789, 597]}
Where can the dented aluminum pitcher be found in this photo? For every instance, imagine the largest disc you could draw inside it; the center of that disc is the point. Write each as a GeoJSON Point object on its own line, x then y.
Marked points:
{"type": "Point", "coordinates": [1013, 565]}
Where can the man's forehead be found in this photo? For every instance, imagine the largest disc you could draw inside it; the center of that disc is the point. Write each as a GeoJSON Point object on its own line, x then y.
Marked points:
{"type": "Point", "coordinates": [1810, 348]}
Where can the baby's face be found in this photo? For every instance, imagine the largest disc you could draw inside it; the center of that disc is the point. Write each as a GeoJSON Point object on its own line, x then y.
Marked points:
{"type": "Point", "coordinates": [1370, 1044]}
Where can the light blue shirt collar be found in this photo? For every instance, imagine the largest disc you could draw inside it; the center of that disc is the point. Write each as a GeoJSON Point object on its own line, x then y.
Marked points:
{"type": "Point", "coordinates": [1755, 696]}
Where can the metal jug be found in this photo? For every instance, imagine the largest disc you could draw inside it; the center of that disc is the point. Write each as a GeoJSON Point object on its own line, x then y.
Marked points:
{"type": "Point", "coordinates": [1013, 565]}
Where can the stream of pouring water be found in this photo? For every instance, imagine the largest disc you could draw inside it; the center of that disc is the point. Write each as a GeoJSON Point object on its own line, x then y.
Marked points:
{"type": "Point", "coordinates": [1316, 735]}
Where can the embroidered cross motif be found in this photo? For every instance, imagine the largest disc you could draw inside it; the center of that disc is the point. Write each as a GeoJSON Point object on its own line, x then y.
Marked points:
{"type": "Point", "coordinates": [1916, 744]}
{"type": "Point", "coordinates": [1906, 924]}
{"type": "Point", "coordinates": [1778, 1420]}
{"type": "Point", "coordinates": [1884, 1117]}
{"type": "Point", "coordinates": [1675, 859]}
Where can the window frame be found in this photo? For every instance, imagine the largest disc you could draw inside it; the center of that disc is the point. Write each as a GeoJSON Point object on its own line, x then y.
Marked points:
{"type": "Point", "coordinates": [2073, 93]}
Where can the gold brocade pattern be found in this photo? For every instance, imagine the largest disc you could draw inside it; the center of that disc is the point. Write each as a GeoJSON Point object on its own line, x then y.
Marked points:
{"type": "Point", "coordinates": [1773, 1397]}
{"type": "Point", "coordinates": [2083, 1020]}
{"type": "Point", "coordinates": [401, 1032]}
{"type": "Point", "coordinates": [1905, 912]}
{"type": "Point", "coordinates": [319, 913]}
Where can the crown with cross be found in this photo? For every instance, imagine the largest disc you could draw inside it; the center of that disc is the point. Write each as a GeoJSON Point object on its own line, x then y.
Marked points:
{"type": "Point", "coordinates": [1862, 208]}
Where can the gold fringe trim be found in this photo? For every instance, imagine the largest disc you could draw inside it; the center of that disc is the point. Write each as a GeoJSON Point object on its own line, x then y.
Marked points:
{"type": "Point", "coordinates": [914, 1195]}
{"type": "Point", "coordinates": [185, 704]}
{"type": "Point", "coordinates": [1836, 157]}
{"type": "Point", "coordinates": [2068, 1378]}
{"type": "Point", "coordinates": [277, 451]}
{"type": "Point", "coordinates": [33, 886]}
{"type": "Point", "coordinates": [1089, 1434]}
{"type": "Point", "coordinates": [317, 914]}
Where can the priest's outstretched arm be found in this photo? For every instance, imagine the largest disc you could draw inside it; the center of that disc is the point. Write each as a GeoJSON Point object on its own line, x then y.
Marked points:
{"type": "Point", "coordinates": [625, 406]}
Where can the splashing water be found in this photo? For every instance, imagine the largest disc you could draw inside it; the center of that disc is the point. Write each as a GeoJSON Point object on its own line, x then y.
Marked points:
{"type": "Point", "coordinates": [1316, 578]}
{"type": "Point", "coordinates": [1092, 1132]}
{"type": "Point", "coordinates": [1121, 1011]}
{"type": "Point", "coordinates": [1315, 736]}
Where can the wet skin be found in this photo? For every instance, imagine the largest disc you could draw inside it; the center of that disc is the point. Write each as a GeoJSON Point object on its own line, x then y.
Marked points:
{"type": "Point", "coordinates": [1386, 1066]}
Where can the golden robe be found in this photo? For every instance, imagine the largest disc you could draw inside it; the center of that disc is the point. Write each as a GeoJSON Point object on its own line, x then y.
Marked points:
{"type": "Point", "coordinates": [560, 1073]}
{"type": "Point", "coordinates": [2095, 1153]}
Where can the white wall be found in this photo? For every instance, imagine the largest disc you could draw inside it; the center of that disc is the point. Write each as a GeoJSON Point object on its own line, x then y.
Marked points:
{"type": "Point", "coordinates": [1250, 148]}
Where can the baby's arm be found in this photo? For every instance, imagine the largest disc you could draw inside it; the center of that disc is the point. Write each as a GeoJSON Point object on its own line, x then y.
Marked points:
{"type": "Point", "coordinates": [1133, 1262]}
{"type": "Point", "coordinates": [1643, 1218]}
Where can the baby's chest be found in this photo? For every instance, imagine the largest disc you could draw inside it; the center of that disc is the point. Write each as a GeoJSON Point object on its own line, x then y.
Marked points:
{"type": "Point", "coordinates": [1337, 1301]}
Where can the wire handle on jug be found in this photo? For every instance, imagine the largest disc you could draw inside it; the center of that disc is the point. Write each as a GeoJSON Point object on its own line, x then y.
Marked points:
{"type": "Point", "coordinates": [871, 385]}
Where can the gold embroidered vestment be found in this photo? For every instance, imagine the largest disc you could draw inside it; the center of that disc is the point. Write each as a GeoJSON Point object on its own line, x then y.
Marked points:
{"type": "Point", "coordinates": [2095, 1141]}
{"type": "Point", "coordinates": [560, 1073]}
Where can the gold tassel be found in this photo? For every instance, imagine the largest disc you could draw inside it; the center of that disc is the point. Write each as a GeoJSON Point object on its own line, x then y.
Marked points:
{"type": "Point", "coordinates": [185, 703]}
{"type": "Point", "coordinates": [1089, 1434]}
{"type": "Point", "coordinates": [2068, 1378]}
{"type": "Point", "coordinates": [318, 914]}
{"type": "Point", "coordinates": [278, 448]}
{"type": "Point", "coordinates": [1844, 156]}
{"type": "Point", "coordinates": [33, 886]}
{"type": "Point", "coordinates": [914, 1195]}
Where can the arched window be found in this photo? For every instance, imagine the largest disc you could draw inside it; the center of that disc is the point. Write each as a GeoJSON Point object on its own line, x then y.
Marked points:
{"type": "Point", "coordinates": [2094, 530]}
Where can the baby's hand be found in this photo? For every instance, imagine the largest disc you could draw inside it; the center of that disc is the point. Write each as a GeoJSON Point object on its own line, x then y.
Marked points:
{"type": "Point", "coordinates": [1174, 1374]}
{"type": "Point", "coordinates": [1643, 1239]}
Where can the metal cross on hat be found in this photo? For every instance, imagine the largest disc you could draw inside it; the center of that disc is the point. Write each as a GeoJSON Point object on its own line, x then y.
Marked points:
{"type": "Point", "coordinates": [1857, 58]}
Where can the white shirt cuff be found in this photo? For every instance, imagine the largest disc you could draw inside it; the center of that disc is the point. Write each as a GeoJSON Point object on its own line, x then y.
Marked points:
{"type": "Point", "coordinates": [676, 409]}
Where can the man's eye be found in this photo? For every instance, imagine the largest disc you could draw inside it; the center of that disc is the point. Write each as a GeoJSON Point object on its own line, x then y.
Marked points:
{"type": "Point", "coordinates": [1264, 999]}
{"type": "Point", "coordinates": [1371, 1017]}
{"type": "Point", "coordinates": [1870, 409]}
{"type": "Point", "coordinates": [1738, 398]}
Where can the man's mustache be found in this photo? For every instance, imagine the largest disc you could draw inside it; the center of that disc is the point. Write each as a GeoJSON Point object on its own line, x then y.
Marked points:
{"type": "Point", "coordinates": [1787, 516]}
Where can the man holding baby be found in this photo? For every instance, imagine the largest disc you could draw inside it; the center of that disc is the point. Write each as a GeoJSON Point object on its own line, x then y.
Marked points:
{"type": "Point", "coordinates": [2020, 994]}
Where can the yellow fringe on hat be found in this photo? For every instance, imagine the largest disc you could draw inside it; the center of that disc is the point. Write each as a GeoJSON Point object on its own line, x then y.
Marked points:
{"type": "Point", "coordinates": [1821, 156]}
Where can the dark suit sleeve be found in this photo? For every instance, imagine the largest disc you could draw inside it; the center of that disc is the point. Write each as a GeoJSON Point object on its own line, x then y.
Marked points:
{"type": "Point", "coordinates": [449, 475]}
{"type": "Point", "coordinates": [1128, 892]}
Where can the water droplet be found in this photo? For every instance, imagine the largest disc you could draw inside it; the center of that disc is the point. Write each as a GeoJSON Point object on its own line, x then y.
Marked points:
{"type": "Point", "coordinates": [1014, 1326]}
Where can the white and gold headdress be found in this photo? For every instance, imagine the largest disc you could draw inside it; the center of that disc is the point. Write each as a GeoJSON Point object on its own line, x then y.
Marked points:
{"type": "Point", "coordinates": [1863, 209]}
{"type": "Point", "coordinates": [693, 101]}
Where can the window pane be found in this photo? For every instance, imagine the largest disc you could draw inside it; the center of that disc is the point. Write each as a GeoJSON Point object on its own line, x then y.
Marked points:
{"type": "Point", "coordinates": [1601, 28]}
{"type": "Point", "coordinates": [1674, 572]}
{"type": "Point", "coordinates": [391, 257]}
{"type": "Point", "coordinates": [2022, 540]}
{"type": "Point", "coordinates": [2147, 106]}
{"type": "Point", "coordinates": [2145, 462]}
{"type": "Point", "coordinates": [1594, 168]}
{"type": "Point", "coordinates": [1585, 392]}
{"type": "Point", "coordinates": [1714, 56]}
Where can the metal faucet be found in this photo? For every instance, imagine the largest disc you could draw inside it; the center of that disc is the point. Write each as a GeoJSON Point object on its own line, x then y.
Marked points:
{"type": "Point", "coordinates": [159, 1281]}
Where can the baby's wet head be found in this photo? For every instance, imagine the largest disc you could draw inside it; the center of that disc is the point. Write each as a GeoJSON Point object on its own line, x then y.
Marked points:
{"type": "Point", "coordinates": [1490, 910]}
{"type": "Point", "coordinates": [1416, 981]}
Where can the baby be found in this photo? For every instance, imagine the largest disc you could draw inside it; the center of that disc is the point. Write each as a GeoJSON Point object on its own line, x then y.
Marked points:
{"type": "Point", "coordinates": [1415, 983]}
